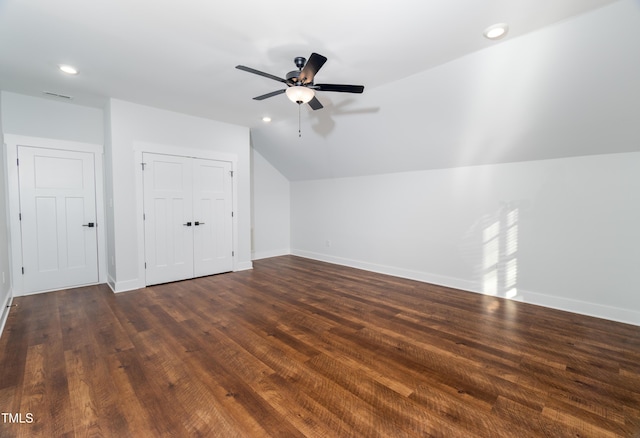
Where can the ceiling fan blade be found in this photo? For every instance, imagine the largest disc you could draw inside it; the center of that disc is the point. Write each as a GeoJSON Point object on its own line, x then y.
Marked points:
{"type": "Point", "coordinates": [339, 88]}
{"type": "Point", "coordinates": [312, 66]}
{"type": "Point", "coordinates": [315, 104]}
{"type": "Point", "coordinates": [260, 73]}
{"type": "Point", "coordinates": [273, 93]}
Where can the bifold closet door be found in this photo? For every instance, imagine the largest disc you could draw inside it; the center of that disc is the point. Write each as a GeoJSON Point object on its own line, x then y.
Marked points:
{"type": "Point", "coordinates": [188, 217]}
{"type": "Point", "coordinates": [212, 215]}
{"type": "Point", "coordinates": [168, 205]}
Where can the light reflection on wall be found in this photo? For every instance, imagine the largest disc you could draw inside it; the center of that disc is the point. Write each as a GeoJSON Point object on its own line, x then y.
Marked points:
{"type": "Point", "coordinates": [500, 253]}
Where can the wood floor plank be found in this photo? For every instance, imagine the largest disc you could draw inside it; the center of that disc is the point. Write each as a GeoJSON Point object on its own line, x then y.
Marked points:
{"type": "Point", "coordinates": [532, 420]}
{"type": "Point", "coordinates": [142, 419]}
{"type": "Point", "coordinates": [34, 391]}
{"type": "Point", "coordinates": [399, 413]}
{"type": "Point", "coordinates": [194, 410]}
{"type": "Point", "coordinates": [182, 357]}
{"type": "Point", "coordinates": [94, 401]}
{"type": "Point", "coordinates": [297, 347]}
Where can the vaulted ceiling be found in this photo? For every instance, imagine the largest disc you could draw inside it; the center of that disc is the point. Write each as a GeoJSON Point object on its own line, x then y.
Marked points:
{"type": "Point", "coordinates": [437, 93]}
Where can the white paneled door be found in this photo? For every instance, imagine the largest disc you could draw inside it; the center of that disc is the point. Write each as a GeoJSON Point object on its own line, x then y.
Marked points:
{"type": "Point", "coordinates": [188, 217]}
{"type": "Point", "coordinates": [212, 214]}
{"type": "Point", "coordinates": [58, 218]}
{"type": "Point", "coordinates": [168, 225]}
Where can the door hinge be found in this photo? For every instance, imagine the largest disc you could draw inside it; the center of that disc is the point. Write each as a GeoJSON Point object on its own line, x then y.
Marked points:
{"type": "Point", "coordinates": [144, 218]}
{"type": "Point", "coordinates": [145, 265]}
{"type": "Point", "coordinates": [23, 270]}
{"type": "Point", "coordinates": [231, 173]}
{"type": "Point", "coordinates": [233, 253]}
{"type": "Point", "coordinates": [19, 216]}
{"type": "Point", "coordinates": [17, 161]}
{"type": "Point", "coordinates": [231, 214]}
{"type": "Point", "coordinates": [143, 164]}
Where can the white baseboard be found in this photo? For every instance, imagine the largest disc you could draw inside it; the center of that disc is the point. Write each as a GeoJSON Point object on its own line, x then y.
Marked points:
{"type": "Point", "coordinates": [111, 283]}
{"type": "Point", "coordinates": [127, 285]}
{"type": "Point", "coordinates": [424, 277]}
{"type": "Point", "coordinates": [243, 266]}
{"type": "Point", "coordinates": [268, 254]}
{"type": "Point", "coordinates": [4, 313]}
{"type": "Point", "coordinates": [559, 303]}
{"type": "Point", "coordinates": [582, 307]}
{"type": "Point", "coordinates": [44, 291]}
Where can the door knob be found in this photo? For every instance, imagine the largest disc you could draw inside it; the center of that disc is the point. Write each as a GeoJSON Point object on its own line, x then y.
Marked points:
{"type": "Point", "coordinates": [188, 224]}
{"type": "Point", "coordinates": [198, 223]}
{"type": "Point", "coordinates": [90, 225]}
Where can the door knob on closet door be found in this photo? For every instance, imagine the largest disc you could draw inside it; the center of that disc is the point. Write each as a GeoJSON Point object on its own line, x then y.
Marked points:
{"type": "Point", "coordinates": [188, 224]}
{"type": "Point", "coordinates": [198, 223]}
{"type": "Point", "coordinates": [90, 225]}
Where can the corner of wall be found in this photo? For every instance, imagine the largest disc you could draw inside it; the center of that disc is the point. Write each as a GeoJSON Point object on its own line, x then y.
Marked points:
{"type": "Point", "coordinates": [6, 289]}
{"type": "Point", "coordinates": [257, 255]}
{"type": "Point", "coordinates": [4, 313]}
{"type": "Point", "coordinates": [271, 209]}
{"type": "Point", "coordinates": [243, 266]}
{"type": "Point", "coordinates": [125, 286]}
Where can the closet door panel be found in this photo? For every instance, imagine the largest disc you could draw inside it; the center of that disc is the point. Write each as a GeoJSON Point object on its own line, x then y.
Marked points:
{"type": "Point", "coordinates": [168, 205]}
{"type": "Point", "coordinates": [213, 235]}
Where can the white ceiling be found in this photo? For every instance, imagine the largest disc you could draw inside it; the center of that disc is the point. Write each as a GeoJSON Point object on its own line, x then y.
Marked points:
{"type": "Point", "coordinates": [181, 56]}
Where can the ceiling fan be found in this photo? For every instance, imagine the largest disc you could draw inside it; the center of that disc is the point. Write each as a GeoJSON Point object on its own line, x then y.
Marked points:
{"type": "Point", "coordinates": [300, 86]}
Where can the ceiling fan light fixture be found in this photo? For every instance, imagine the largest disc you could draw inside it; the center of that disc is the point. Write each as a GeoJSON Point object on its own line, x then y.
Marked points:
{"type": "Point", "coordinates": [496, 31]}
{"type": "Point", "coordinates": [300, 94]}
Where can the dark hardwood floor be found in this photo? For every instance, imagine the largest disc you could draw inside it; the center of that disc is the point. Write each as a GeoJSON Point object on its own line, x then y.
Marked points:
{"type": "Point", "coordinates": [302, 348]}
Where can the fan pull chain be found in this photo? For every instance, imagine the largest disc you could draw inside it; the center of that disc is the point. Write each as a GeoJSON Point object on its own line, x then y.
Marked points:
{"type": "Point", "coordinates": [299, 130]}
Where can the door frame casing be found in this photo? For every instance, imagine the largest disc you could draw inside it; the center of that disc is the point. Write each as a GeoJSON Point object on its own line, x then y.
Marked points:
{"type": "Point", "coordinates": [139, 148]}
{"type": "Point", "coordinates": [12, 142]}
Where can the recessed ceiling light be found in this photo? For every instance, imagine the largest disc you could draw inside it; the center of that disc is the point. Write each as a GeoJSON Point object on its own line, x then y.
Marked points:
{"type": "Point", "coordinates": [266, 119]}
{"type": "Point", "coordinates": [68, 69]}
{"type": "Point", "coordinates": [496, 31]}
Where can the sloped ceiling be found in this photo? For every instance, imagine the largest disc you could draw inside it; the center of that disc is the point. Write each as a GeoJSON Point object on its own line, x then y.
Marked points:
{"type": "Point", "coordinates": [569, 89]}
{"type": "Point", "coordinates": [563, 82]}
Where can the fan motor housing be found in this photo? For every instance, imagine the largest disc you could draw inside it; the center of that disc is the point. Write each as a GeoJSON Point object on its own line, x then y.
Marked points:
{"type": "Point", "coordinates": [292, 76]}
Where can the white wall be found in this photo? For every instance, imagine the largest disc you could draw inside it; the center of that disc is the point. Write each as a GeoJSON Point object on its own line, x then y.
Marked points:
{"type": "Point", "coordinates": [5, 266]}
{"type": "Point", "coordinates": [561, 233]}
{"type": "Point", "coordinates": [129, 125]}
{"type": "Point", "coordinates": [46, 118]}
{"type": "Point", "coordinates": [271, 209]}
